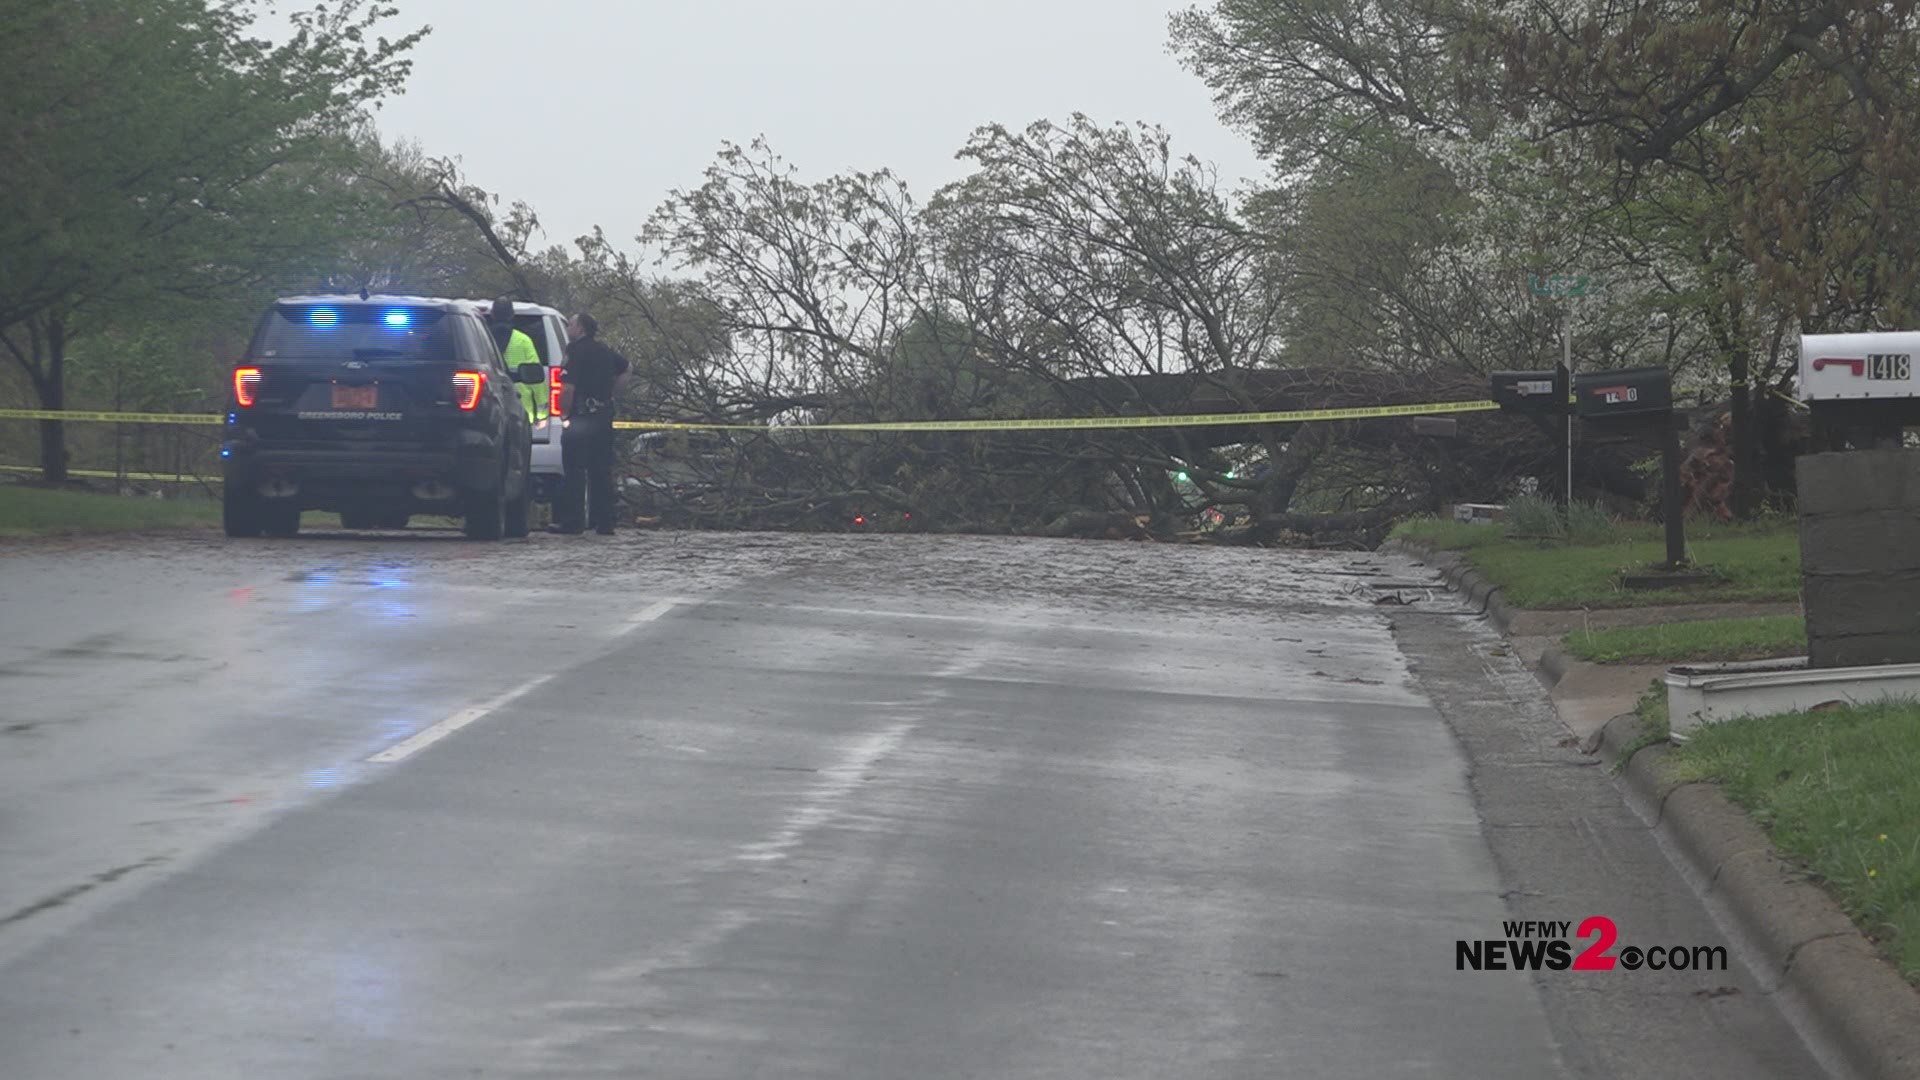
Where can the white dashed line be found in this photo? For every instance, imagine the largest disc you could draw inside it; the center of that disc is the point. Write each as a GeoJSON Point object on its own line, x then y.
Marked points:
{"type": "Point", "coordinates": [427, 736]}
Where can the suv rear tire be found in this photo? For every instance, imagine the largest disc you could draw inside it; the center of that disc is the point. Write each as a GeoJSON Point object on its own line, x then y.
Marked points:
{"type": "Point", "coordinates": [239, 512]}
{"type": "Point", "coordinates": [280, 520]}
{"type": "Point", "coordinates": [518, 513]}
{"type": "Point", "coordinates": [486, 515]}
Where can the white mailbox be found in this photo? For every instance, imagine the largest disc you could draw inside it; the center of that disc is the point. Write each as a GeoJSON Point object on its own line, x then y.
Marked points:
{"type": "Point", "coordinates": [1849, 367]}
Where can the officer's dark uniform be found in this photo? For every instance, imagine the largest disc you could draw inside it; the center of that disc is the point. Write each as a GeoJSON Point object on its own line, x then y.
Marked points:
{"type": "Point", "coordinates": [586, 448]}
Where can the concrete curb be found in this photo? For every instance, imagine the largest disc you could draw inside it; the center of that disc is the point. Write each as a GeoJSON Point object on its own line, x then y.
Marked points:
{"type": "Point", "coordinates": [1853, 1001]}
{"type": "Point", "coordinates": [1554, 666]}
{"type": "Point", "coordinates": [1814, 957]}
{"type": "Point", "coordinates": [1461, 576]}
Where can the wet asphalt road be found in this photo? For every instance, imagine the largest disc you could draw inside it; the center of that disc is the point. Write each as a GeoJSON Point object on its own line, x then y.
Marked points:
{"type": "Point", "coordinates": [734, 806]}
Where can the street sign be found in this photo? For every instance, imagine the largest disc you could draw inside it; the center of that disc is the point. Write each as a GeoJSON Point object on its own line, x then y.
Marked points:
{"type": "Point", "coordinates": [1559, 284]}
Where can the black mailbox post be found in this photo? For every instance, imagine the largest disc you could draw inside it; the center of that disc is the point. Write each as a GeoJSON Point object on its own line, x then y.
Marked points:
{"type": "Point", "coordinates": [1643, 395]}
{"type": "Point", "coordinates": [1632, 395]}
{"type": "Point", "coordinates": [1540, 396]}
{"type": "Point", "coordinates": [1543, 392]}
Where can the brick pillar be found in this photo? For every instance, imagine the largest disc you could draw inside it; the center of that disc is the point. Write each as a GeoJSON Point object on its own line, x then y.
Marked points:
{"type": "Point", "coordinates": [1860, 557]}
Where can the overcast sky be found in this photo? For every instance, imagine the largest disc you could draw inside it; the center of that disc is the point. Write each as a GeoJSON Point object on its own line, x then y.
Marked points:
{"type": "Point", "coordinates": [593, 110]}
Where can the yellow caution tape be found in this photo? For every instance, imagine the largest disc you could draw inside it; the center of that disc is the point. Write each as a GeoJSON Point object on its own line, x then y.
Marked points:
{"type": "Point", "coordinates": [1085, 423]}
{"type": "Point", "coordinates": [109, 417]}
{"type": "Point", "coordinates": [1067, 423]}
{"type": "Point", "coordinates": [1082, 423]}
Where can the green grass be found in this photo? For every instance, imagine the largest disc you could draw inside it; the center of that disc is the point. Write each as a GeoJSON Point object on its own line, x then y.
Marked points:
{"type": "Point", "coordinates": [1839, 791]}
{"type": "Point", "coordinates": [1758, 638]}
{"type": "Point", "coordinates": [1654, 728]}
{"type": "Point", "coordinates": [1448, 535]}
{"type": "Point", "coordinates": [30, 511]}
{"type": "Point", "coordinates": [1759, 561]}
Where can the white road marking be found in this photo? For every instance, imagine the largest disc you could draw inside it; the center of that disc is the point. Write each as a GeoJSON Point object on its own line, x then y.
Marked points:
{"type": "Point", "coordinates": [648, 614]}
{"type": "Point", "coordinates": [839, 780]}
{"type": "Point", "coordinates": [427, 736]}
{"type": "Point", "coordinates": [573, 1023]}
{"type": "Point", "coordinates": [822, 801]}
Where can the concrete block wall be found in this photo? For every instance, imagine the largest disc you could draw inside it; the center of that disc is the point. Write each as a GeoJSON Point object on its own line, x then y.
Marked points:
{"type": "Point", "coordinates": [1860, 556]}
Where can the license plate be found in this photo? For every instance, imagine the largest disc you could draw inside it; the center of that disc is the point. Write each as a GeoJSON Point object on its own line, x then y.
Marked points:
{"type": "Point", "coordinates": [1896, 367]}
{"type": "Point", "coordinates": [355, 397]}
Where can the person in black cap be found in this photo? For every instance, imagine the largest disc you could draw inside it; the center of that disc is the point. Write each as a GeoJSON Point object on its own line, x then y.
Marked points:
{"type": "Point", "coordinates": [591, 387]}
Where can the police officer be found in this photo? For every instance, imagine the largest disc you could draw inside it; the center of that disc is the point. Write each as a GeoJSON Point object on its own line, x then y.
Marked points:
{"type": "Point", "coordinates": [517, 348]}
{"type": "Point", "coordinates": [593, 378]}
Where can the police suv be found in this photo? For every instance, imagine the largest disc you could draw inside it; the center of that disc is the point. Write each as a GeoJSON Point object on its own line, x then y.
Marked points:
{"type": "Point", "coordinates": [378, 408]}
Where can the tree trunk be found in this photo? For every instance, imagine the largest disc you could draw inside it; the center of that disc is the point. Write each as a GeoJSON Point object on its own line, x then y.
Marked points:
{"type": "Point", "coordinates": [1725, 324]}
{"type": "Point", "coordinates": [1744, 498]}
{"type": "Point", "coordinates": [50, 385]}
{"type": "Point", "coordinates": [1362, 528]}
{"type": "Point", "coordinates": [1097, 524]}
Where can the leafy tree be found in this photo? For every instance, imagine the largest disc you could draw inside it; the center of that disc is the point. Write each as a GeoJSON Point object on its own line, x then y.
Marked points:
{"type": "Point", "coordinates": [814, 281]}
{"type": "Point", "coordinates": [159, 156]}
{"type": "Point", "coordinates": [1736, 173]}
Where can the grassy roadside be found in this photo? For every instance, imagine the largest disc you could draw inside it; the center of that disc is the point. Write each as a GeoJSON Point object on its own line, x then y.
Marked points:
{"type": "Point", "coordinates": [1751, 563]}
{"type": "Point", "coordinates": [33, 511]}
{"type": "Point", "coordinates": [30, 511]}
{"type": "Point", "coordinates": [1758, 638]}
{"type": "Point", "coordinates": [1839, 792]}
{"type": "Point", "coordinates": [1654, 728]}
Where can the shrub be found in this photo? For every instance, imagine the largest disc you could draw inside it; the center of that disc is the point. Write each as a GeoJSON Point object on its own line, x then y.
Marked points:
{"type": "Point", "coordinates": [1532, 517]}
{"type": "Point", "coordinates": [1589, 523]}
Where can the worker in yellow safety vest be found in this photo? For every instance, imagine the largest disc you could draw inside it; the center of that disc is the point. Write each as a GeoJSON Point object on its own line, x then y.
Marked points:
{"type": "Point", "coordinates": [517, 348]}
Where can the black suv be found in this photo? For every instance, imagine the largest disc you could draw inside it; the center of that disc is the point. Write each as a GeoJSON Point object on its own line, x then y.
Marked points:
{"type": "Point", "coordinates": [377, 407]}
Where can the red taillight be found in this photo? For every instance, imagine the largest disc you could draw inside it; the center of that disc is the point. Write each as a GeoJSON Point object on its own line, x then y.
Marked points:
{"type": "Point", "coordinates": [466, 388]}
{"type": "Point", "coordinates": [553, 391]}
{"type": "Point", "coordinates": [246, 384]}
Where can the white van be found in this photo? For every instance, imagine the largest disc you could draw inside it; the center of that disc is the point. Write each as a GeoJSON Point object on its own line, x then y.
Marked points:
{"type": "Point", "coordinates": [548, 329]}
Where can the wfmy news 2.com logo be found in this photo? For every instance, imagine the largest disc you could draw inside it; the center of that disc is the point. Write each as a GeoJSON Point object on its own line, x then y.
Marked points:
{"type": "Point", "coordinates": [1536, 945]}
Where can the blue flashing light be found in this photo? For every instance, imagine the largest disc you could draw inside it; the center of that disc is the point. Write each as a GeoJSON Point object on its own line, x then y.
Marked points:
{"type": "Point", "coordinates": [323, 316]}
{"type": "Point", "coordinates": [233, 418]}
{"type": "Point", "coordinates": [226, 451]}
{"type": "Point", "coordinates": [397, 318]}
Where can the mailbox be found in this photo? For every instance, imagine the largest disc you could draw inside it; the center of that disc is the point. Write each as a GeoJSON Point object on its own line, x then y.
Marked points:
{"type": "Point", "coordinates": [1852, 367]}
{"type": "Point", "coordinates": [1533, 391]}
{"type": "Point", "coordinates": [1862, 390]}
{"type": "Point", "coordinates": [1598, 395]}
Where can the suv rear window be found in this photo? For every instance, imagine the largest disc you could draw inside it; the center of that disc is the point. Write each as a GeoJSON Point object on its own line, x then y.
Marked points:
{"type": "Point", "coordinates": [353, 332]}
{"type": "Point", "coordinates": [535, 327]}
